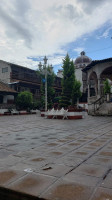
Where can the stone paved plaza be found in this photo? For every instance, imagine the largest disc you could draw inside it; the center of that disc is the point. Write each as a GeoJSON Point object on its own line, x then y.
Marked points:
{"type": "Point", "coordinates": [55, 159]}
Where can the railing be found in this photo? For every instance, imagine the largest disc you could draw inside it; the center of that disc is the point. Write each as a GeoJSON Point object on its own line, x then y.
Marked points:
{"type": "Point", "coordinates": [98, 103]}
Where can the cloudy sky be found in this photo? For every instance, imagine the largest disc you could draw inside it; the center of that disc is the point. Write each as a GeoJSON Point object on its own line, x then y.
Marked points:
{"type": "Point", "coordinates": [30, 29]}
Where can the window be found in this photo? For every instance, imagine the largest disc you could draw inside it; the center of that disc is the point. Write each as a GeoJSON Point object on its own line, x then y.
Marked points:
{"type": "Point", "coordinates": [1, 99]}
{"type": "Point", "coordinates": [4, 69]}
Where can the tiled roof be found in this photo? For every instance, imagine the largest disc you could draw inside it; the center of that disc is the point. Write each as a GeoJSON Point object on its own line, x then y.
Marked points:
{"type": "Point", "coordinates": [16, 65]}
{"type": "Point", "coordinates": [22, 81]}
{"type": "Point", "coordinates": [95, 62]}
{"type": "Point", "coordinates": [5, 88]}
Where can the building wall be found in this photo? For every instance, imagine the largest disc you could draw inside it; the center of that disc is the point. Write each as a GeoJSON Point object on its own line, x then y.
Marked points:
{"type": "Point", "coordinates": [60, 73]}
{"type": "Point", "coordinates": [7, 98]}
{"type": "Point", "coordinates": [24, 79]}
{"type": "Point", "coordinates": [5, 71]}
{"type": "Point", "coordinates": [78, 74]}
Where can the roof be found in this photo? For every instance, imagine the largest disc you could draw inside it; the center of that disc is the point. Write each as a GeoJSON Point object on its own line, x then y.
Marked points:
{"type": "Point", "coordinates": [5, 88]}
{"type": "Point", "coordinates": [95, 62]}
{"type": "Point", "coordinates": [82, 59]}
{"type": "Point", "coordinates": [13, 64]}
{"type": "Point", "coordinates": [27, 82]}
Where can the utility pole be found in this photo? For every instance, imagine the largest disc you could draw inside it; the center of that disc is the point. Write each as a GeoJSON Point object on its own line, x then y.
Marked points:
{"type": "Point", "coordinates": [45, 63]}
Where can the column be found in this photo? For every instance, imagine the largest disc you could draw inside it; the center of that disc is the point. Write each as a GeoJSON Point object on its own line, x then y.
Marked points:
{"type": "Point", "coordinates": [99, 92]}
{"type": "Point", "coordinates": [88, 92]}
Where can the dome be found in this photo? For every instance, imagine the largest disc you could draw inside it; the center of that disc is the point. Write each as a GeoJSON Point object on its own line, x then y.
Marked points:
{"type": "Point", "coordinates": [82, 60]}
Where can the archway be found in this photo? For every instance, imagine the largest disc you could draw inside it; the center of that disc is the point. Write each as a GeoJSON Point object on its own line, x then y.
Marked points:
{"type": "Point", "coordinates": [106, 74]}
{"type": "Point", "coordinates": [93, 84]}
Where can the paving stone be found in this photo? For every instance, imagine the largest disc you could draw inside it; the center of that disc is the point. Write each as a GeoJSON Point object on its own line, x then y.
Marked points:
{"type": "Point", "coordinates": [100, 160]}
{"type": "Point", "coordinates": [80, 153]}
{"type": "Point", "coordinates": [10, 160]}
{"type": "Point", "coordinates": [106, 153]}
{"type": "Point", "coordinates": [83, 179]}
{"type": "Point", "coordinates": [4, 153]}
{"type": "Point", "coordinates": [69, 161]}
{"type": "Point", "coordinates": [91, 170]}
{"type": "Point", "coordinates": [66, 190]}
{"type": "Point", "coordinates": [102, 194]}
{"type": "Point", "coordinates": [57, 170]}
{"type": "Point", "coordinates": [56, 159]}
{"type": "Point", "coordinates": [7, 176]}
{"type": "Point", "coordinates": [33, 184]}
{"type": "Point", "coordinates": [22, 167]}
{"type": "Point", "coordinates": [107, 182]}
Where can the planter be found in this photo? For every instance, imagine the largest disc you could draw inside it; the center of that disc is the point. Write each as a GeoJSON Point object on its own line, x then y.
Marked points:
{"type": "Point", "coordinates": [42, 113]}
{"type": "Point", "coordinates": [1, 114]}
{"type": "Point", "coordinates": [75, 115]}
{"type": "Point", "coordinates": [49, 116]}
{"type": "Point", "coordinates": [23, 112]}
{"type": "Point", "coordinates": [70, 115]}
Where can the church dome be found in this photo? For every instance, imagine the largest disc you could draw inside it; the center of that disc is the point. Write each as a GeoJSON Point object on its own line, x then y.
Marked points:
{"type": "Point", "coordinates": [82, 60]}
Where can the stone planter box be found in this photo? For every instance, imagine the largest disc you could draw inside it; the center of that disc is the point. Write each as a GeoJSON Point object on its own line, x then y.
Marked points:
{"type": "Point", "coordinates": [78, 114]}
{"type": "Point", "coordinates": [75, 115]}
{"type": "Point", "coordinates": [42, 113]}
{"type": "Point", "coordinates": [23, 112]}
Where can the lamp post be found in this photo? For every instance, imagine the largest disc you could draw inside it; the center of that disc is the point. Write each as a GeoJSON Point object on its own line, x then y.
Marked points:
{"type": "Point", "coordinates": [45, 63]}
{"type": "Point", "coordinates": [40, 66]}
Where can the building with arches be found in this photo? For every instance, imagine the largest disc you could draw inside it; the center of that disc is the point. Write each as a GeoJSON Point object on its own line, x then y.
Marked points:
{"type": "Point", "coordinates": [97, 72]}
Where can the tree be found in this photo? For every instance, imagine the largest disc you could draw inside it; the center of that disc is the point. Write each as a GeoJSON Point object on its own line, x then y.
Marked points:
{"type": "Point", "coordinates": [67, 82]}
{"type": "Point", "coordinates": [107, 86]}
{"type": "Point", "coordinates": [76, 93]}
{"type": "Point", "coordinates": [24, 100]}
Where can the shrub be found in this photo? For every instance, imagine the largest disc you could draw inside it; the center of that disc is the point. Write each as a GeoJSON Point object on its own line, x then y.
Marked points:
{"type": "Point", "coordinates": [24, 100]}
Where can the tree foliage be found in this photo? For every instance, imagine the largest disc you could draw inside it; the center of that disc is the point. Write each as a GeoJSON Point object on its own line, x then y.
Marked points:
{"type": "Point", "coordinates": [67, 82]}
{"type": "Point", "coordinates": [70, 86]}
{"type": "Point", "coordinates": [24, 100]}
{"type": "Point", "coordinates": [107, 86]}
{"type": "Point", "coordinates": [76, 93]}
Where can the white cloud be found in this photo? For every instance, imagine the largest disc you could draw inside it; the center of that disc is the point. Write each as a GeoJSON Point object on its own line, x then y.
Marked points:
{"type": "Point", "coordinates": [37, 28]}
{"type": "Point", "coordinates": [79, 49]}
{"type": "Point", "coordinates": [105, 34]}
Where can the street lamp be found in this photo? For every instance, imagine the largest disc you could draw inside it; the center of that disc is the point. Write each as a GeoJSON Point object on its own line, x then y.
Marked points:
{"type": "Point", "coordinates": [45, 63]}
{"type": "Point", "coordinates": [40, 66]}
{"type": "Point", "coordinates": [44, 71]}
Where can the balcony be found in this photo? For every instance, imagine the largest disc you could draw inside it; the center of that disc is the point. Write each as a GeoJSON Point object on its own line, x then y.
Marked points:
{"type": "Point", "coordinates": [25, 77]}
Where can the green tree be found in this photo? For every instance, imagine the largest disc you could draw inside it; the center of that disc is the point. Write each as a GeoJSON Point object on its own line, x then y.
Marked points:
{"type": "Point", "coordinates": [76, 93]}
{"type": "Point", "coordinates": [107, 86]}
{"type": "Point", "coordinates": [24, 100]}
{"type": "Point", "coordinates": [67, 82]}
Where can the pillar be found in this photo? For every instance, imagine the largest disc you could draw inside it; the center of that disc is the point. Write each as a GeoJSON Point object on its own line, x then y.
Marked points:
{"type": "Point", "coordinates": [88, 92]}
{"type": "Point", "coordinates": [99, 89]}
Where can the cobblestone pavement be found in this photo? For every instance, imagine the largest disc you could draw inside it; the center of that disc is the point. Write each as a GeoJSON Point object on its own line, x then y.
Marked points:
{"type": "Point", "coordinates": [56, 159]}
